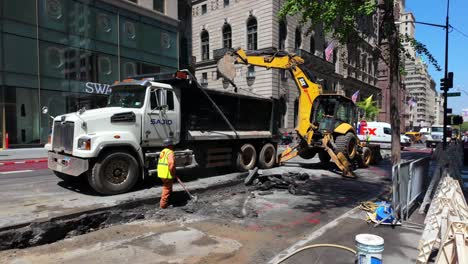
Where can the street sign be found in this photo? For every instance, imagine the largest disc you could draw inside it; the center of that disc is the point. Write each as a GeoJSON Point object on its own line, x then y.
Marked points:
{"type": "Point", "coordinates": [449, 110]}
{"type": "Point", "coordinates": [453, 94]}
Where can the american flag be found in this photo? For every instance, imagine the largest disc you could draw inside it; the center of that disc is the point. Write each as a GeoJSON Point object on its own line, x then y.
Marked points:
{"type": "Point", "coordinates": [329, 50]}
{"type": "Point", "coordinates": [354, 97]}
{"type": "Point", "coordinates": [412, 102]}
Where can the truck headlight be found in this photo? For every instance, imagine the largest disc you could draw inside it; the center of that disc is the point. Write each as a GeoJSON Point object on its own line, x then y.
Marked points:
{"type": "Point", "coordinates": [84, 143]}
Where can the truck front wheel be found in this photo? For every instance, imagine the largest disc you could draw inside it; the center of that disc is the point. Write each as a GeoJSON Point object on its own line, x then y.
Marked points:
{"type": "Point", "coordinates": [114, 173]}
{"type": "Point", "coordinates": [246, 157]}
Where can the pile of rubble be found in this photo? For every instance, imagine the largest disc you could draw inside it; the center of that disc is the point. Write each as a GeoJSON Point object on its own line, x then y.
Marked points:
{"type": "Point", "coordinates": [295, 183]}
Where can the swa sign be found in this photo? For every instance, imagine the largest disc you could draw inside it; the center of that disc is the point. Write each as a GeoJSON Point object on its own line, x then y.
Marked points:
{"type": "Point", "coordinates": [97, 88]}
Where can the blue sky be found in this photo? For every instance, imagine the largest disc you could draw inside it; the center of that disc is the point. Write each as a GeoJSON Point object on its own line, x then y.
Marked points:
{"type": "Point", "coordinates": [433, 11]}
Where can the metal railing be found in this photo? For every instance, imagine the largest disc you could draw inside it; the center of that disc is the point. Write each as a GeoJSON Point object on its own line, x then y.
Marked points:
{"type": "Point", "coordinates": [409, 182]}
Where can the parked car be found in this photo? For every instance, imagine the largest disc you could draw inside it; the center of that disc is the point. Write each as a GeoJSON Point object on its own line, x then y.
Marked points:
{"type": "Point", "coordinates": [381, 133]}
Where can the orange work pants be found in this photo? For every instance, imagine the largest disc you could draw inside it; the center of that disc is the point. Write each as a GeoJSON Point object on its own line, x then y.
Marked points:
{"type": "Point", "coordinates": [166, 192]}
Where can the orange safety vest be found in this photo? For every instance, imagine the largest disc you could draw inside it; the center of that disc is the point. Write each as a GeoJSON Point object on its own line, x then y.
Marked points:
{"type": "Point", "coordinates": [163, 164]}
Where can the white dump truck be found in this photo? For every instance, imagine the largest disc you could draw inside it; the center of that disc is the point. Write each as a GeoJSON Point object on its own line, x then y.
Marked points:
{"type": "Point", "coordinates": [116, 146]}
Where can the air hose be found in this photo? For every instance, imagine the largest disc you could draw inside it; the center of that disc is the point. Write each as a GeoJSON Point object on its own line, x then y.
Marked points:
{"type": "Point", "coordinates": [316, 246]}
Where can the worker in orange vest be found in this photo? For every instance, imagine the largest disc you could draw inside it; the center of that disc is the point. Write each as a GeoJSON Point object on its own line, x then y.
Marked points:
{"type": "Point", "coordinates": [166, 171]}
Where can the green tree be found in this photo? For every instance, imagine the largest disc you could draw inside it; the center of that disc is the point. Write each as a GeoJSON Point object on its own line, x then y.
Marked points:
{"type": "Point", "coordinates": [370, 110]}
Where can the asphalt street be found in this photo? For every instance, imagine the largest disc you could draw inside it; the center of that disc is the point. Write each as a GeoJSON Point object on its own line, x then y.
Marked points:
{"type": "Point", "coordinates": [233, 224]}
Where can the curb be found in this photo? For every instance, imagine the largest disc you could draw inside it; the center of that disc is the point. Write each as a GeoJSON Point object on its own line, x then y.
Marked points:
{"type": "Point", "coordinates": [22, 162]}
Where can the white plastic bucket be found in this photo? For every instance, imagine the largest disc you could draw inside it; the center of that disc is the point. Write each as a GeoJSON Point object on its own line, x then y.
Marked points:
{"type": "Point", "coordinates": [369, 249]}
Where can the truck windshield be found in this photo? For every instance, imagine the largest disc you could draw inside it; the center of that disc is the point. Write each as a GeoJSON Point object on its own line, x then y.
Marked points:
{"type": "Point", "coordinates": [437, 129]}
{"type": "Point", "coordinates": [128, 96]}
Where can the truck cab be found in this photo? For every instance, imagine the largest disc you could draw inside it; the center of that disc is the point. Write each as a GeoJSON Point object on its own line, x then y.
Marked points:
{"type": "Point", "coordinates": [139, 114]}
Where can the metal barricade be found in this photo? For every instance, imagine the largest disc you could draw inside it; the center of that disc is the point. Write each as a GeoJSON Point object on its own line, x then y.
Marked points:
{"type": "Point", "coordinates": [409, 182]}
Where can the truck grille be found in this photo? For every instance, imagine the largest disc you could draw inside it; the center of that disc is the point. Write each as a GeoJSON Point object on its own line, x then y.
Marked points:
{"type": "Point", "coordinates": [63, 136]}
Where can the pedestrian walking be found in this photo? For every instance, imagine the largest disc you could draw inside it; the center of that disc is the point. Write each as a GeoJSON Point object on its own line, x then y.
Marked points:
{"type": "Point", "coordinates": [166, 171]}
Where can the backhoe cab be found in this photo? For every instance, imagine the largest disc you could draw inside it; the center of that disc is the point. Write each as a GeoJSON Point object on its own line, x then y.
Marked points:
{"type": "Point", "coordinates": [325, 121]}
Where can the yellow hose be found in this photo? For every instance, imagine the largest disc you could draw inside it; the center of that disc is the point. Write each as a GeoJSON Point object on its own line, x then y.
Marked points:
{"type": "Point", "coordinates": [316, 246]}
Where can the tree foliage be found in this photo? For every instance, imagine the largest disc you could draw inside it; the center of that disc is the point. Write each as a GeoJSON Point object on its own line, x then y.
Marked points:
{"type": "Point", "coordinates": [338, 17]}
{"type": "Point", "coordinates": [370, 110]}
{"type": "Point", "coordinates": [419, 48]}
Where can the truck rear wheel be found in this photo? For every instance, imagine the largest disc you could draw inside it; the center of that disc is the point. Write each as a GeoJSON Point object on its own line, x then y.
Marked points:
{"type": "Point", "coordinates": [114, 173]}
{"type": "Point", "coordinates": [267, 156]}
{"type": "Point", "coordinates": [347, 144]}
{"type": "Point", "coordinates": [246, 157]}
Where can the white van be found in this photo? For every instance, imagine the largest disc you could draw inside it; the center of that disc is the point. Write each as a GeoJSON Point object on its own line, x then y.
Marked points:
{"type": "Point", "coordinates": [381, 133]}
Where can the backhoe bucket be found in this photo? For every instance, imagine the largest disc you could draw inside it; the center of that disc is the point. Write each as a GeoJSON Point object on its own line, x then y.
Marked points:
{"type": "Point", "coordinates": [226, 67]}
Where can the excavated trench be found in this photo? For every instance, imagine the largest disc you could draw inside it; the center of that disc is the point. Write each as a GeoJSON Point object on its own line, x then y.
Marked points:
{"type": "Point", "coordinates": [60, 228]}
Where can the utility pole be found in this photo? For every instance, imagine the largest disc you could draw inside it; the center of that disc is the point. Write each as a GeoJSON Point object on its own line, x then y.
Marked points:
{"type": "Point", "coordinates": [446, 75]}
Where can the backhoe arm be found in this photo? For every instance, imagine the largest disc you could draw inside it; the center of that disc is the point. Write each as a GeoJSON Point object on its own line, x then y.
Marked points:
{"type": "Point", "coordinates": [308, 90]}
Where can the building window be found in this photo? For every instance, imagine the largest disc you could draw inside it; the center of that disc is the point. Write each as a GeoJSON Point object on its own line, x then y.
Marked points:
{"type": "Point", "coordinates": [227, 36]}
{"type": "Point", "coordinates": [204, 80]}
{"type": "Point", "coordinates": [205, 45]}
{"type": "Point", "coordinates": [312, 45]}
{"type": "Point", "coordinates": [226, 3]}
{"type": "Point", "coordinates": [298, 39]}
{"type": "Point", "coordinates": [252, 33]}
{"type": "Point", "coordinates": [158, 5]}
{"type": "Point", "coordinates": [283, 31]}
{"type": "Point", "coordinates": [204, 9]}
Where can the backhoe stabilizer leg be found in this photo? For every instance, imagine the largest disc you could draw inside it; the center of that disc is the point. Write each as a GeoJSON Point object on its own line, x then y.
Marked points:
{"type": "Point", "coordinates": [340, 160]}
{"type": "Point", "coordinates": [288, 154]}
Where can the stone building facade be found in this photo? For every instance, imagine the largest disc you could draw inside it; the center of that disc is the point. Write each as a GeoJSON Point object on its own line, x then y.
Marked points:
{"type": "Point", "coordinates": [218, 25]}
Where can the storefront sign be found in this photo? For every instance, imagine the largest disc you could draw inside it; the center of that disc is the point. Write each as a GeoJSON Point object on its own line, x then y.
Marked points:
{"type": "Point", "coordinates": [97, 88]}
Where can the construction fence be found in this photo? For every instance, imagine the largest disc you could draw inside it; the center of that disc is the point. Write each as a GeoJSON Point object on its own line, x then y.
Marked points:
{"type": "Point", "coordinates": [446, 222]}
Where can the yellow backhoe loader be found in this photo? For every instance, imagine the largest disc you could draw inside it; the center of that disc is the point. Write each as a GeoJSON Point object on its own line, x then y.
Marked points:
{"type": "Point", "coordinates": [325, 121]}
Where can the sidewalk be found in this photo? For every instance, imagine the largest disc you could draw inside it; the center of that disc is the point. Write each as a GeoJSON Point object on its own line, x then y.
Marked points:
{"type": "Point", "coordinates": [23, 154]}
{"type": "Point", "coordinates": [401, 242]}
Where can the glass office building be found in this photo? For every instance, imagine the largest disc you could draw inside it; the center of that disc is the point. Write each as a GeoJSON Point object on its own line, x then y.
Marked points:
{"type": "Point", "coordinates": [63, 54]}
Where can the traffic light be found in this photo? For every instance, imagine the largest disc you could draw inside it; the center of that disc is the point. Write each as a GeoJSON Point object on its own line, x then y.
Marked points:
{"type": "Point", "coordinates": [446, 84]}
{"type": "Point", "coordinates": [450, 80]}
{"type": "Point", "coordinates": [443, 84]}
{"type": "Point", "coordinates": [456, 120]}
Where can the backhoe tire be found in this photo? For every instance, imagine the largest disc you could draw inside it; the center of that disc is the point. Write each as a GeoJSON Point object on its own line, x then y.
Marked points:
{"type": "Point", "coordinates": [366, 157]}
{"type": "Point", "coordinates": [114, 173]}
{"type": "Point", "coordinates": [267, 156]}
{"type": "Point", "coordinates": [246, 158]}
{"type": "Point", "coordinates": [347, 144]}
{"type": "Point", "coordinates": [307, 153]}
{"type": "Point", "coordinates": [324, 157]}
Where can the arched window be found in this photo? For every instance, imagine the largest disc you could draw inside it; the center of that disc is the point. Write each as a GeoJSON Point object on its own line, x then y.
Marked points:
{"type": "Point", "coordinates": [227, 36]}
{"type": "Point", "coordinates": [205, 45]}
{"type": "Point", "coordinates": [312, 44]}
{"type": "Point", "coordinates": [298, 38]}
{"type": "Point", "coordinates": [283, 32]}
{"type": "Point", "coordinates": [252, 33]}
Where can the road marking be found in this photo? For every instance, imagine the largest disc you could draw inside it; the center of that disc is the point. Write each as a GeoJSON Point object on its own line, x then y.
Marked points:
{"type": "Point", "coordinates": [10, 172]}
{"type": "Point", "coordinates": [313, 235]}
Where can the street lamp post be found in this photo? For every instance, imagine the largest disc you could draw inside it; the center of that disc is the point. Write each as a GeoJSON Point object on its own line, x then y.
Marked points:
{"type": "Point", "coordinates": [446, 75]}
